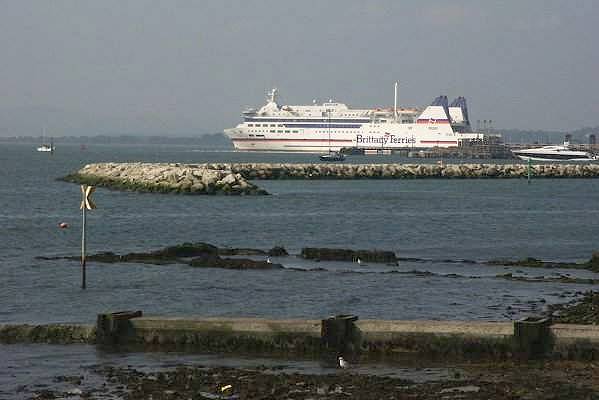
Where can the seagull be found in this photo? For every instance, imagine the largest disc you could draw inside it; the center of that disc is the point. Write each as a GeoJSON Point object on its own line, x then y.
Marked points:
{"type": "Point", "coordinates": [359, 261]}
{"type": "Point", "coordinates": [342, 363]}
{"type": "Point", "coordinates": [268, 260]}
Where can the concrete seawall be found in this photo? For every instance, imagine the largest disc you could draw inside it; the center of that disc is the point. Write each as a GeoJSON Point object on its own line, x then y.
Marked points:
{"type": "Point", "coordinates": [341, 334]}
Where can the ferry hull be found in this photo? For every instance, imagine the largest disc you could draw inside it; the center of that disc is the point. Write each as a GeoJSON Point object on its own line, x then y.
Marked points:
{"type": "Point", "coordinates": [313, 142]}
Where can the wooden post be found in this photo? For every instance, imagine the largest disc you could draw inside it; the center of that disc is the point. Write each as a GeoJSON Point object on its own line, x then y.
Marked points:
{"type": "Point", "coordinates": [529, 162]}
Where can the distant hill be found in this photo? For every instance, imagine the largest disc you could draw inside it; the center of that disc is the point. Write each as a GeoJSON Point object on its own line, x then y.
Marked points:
{"type": "Point", "coordinates": [210, 141]}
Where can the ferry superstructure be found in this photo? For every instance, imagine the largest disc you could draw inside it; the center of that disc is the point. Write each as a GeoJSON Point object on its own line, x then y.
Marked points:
{"type": "Point", "coordinates": [330, 126]}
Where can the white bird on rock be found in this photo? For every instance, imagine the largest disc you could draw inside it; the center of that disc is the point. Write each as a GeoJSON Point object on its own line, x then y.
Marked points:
{"type": "Point", "coordinates": [342, 363]}
{"type": "Point", "coordinates": [268, 260]}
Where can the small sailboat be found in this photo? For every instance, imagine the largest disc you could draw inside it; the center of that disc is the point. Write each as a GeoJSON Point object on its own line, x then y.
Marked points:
{"type": "Point", "coordinates": [332, 155]}
{"type": "Point", "coordinates": [46, 148]}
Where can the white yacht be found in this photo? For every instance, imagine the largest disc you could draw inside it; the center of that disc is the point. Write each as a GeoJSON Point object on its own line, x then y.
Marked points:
{"type": "Point", "coordinates": [554, 153]}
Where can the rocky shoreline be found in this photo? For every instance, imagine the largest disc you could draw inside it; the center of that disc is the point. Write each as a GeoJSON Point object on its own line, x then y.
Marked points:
{"type": "Point", "coordinates": [591, 265]}
{"type": "Point", "coordinates": [581, 311]}
{"type": "Point", "coordinates": [547, 380]}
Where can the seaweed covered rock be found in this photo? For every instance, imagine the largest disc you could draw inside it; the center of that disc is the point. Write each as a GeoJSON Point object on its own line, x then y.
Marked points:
{"type": "Point", "coordinates": [593, 263]}
{"type": "Point", "coordinates": [378, 256]}
{"type": "Point", "coordinates": [581, 311]}
{"type": "Point", "coordinates": [214, 261]}
{"type": "Point", "coordinates": [530, 262]}
{"type": "Point", "coordinates": [188, 250]}
{"type": "Point", "coordinates": [278, 251]}
{"type": "Point", "coordinates": [199, 254]}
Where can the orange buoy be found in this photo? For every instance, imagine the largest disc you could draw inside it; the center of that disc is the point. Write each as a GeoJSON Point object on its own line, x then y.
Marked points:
{"type": "Point", "coordinates": [63, 225]}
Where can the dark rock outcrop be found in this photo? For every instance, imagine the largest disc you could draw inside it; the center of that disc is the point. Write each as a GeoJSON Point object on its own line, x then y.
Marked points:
{"type": "Point", "coordinates": [377, 256]}
{"type": "Point", "coordinates": [214, 261]}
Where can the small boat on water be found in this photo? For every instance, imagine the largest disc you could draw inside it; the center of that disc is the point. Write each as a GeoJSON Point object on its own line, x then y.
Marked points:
{"type": "Point", "coordinates": [332, 156]}
{"type": "Point", "coordinates": [555, 153]}
{"type": "Point", "coordinates": [46, 148]}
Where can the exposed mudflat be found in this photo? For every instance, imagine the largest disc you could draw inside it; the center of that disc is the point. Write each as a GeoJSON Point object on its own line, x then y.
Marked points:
{"type": "Point", "coordinates": [541, 380]}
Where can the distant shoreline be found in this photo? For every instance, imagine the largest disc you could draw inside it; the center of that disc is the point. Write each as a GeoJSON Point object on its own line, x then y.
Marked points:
{"type": "Point", "coordinates": [212, 140]}
{"type": "Point", "coordinates": [219, 140]}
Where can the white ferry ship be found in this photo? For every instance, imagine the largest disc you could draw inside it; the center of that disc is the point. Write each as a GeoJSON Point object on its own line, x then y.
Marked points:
{"type": "Point", "coordinates": [331, 126]}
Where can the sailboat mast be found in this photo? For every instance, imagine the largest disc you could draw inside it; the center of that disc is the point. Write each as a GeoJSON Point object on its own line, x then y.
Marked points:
{"type": "Point", "coordinates": [395, 102]}
{"type": "Point", "coordinates": [329, 118]}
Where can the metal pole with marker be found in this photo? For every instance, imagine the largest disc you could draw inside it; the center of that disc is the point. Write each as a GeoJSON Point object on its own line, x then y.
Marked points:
{"type": "Point", "coordinates": [86, 204]}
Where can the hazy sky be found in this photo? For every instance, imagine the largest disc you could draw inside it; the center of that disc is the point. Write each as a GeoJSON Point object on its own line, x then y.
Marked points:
{"type": "Point", "coordinates": [189, 67]}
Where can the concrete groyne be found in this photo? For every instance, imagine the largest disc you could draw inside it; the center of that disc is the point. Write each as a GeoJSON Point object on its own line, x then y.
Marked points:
{"type": "Point", "coordinates": [343, 334]}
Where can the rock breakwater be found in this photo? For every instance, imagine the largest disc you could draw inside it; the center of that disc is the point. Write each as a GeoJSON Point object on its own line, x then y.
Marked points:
{"type": "Point", "coordinates": [233, 178]}
{"type": "Point", "coordinates": [165, 178]}
{"type": "Point", "coordinates": [405, 171]}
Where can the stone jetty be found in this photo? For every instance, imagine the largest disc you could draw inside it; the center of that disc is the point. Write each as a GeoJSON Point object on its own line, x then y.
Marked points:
{"type": "Point", "coordinates": [165, 178]}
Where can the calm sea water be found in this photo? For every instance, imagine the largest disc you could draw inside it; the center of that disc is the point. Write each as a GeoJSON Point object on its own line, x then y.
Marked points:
{"type": "Point", "coordinates": [430, 219]}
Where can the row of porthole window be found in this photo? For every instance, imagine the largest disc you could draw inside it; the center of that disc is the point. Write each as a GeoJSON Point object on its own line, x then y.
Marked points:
{"type": "Point", "coordinates": [275, 131]}
{"type": "Point", "coordinates": [335, 131]}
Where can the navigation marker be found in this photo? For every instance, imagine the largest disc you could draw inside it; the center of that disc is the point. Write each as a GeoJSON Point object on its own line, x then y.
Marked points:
{"type": "Point", "coordinates": [86, 204]}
